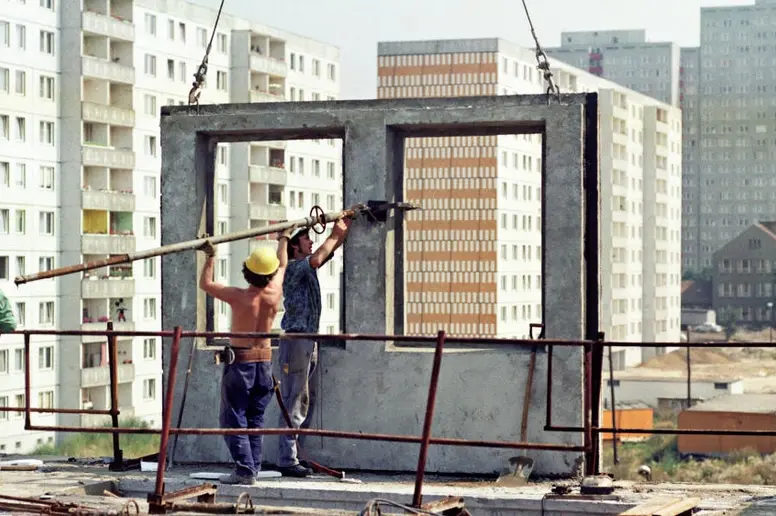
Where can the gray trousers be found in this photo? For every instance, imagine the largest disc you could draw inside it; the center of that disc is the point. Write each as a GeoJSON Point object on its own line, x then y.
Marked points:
{"type": "Point", "coordinates": [298, 361]}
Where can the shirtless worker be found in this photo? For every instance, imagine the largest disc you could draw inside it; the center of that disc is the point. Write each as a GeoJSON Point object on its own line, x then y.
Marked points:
{"type": "Point", "coordinates": [246, 384]}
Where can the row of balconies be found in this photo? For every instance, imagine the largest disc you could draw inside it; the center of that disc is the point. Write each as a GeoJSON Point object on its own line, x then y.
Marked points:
{"type": "Point", "coordinates": [100, 376]}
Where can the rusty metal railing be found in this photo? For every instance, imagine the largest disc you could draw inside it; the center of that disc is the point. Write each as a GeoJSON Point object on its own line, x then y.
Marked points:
{"type": "Point", "coordinates": [158, 501]}
{"type": "Point", "coordinates": [590, 430]}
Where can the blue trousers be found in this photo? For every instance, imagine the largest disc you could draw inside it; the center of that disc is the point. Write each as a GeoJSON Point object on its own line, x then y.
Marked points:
{"type": "Point", "coordinates": [298, 360]}
{"type": "Point", "coordinates": [246, 391]}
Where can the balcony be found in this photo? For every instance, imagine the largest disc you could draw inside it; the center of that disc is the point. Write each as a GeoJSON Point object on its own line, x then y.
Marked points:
{"type": "Point", "coordinates": [268, 175]}
{"type": "Point", "coordinates": [103, 114]}
{"type": "Point", "coordinates": [107, 288]}
{"type": "Point", "coordinates": [107, 200]}
{"type": "Point", "coordinates": [107, 244]}
{"type": "Point", "coordinates": [96, 23]}
{"type": "Point", "coordinates": [107, 70]}
{"type": "Point", "coordinates": [100, 376]}
{"type": "Point", "coordinates": [102, 326]}
{"type": "Point", "coordinates": [265, 96]}
{"type": "Point", "coordinates": [268, 65]}
{"type": "Point", "coordinates": [268, 212]}
{"type": "Point", "coordinates": [95, 420]}
{"type": "Point", "coordinates": [107, 157]}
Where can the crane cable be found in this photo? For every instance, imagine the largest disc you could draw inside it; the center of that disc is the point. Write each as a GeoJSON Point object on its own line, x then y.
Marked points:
{"type": "Point", "coordinates": [201, 74]}
{"type": "Point", "coordinates": [543, 63]}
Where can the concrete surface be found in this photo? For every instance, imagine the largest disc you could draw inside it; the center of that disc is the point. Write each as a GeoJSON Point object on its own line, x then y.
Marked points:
{"type": "Point", "coordinates": [85, 484]}
{"type": "Point", "coordinates": [374, 387]}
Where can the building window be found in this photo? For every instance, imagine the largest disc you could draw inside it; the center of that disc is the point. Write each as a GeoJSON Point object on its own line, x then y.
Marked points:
{"type": "Point", "coordinates": [46, 399]}
{"type": "Point", "coordinates": [20, 181]}
{"type": "Point", "coordinates": [47, 42]}
{"type": "Point", "coordinates": [330, 170]}
{"type": "Point", "coordinates": [46, 358]}
{"type": "Point", "coordinates": [222, 155]}
{"type": "Point", "coordinates": [21, 82]}
{"type": "Point", "coordinates": [171, 30]}
{"type": "Point", "coordinates": [316, 68]}
{"type": "Point", "coordinates": [47, 133]}
{"type": "Point", "coordinates": [47, 4]}
{"type": "Point", "coordinates": [5, 221]}
{"type": "Point", "coordinates": [150, 24]}
{"type": "Point", "coordinates": [21, 222]}
{"type": "Point", "coordinates": [221, 81]}
{"type": "Point", "coordinates": [5, 80]}
{"type": "Point", "coordinates": [46, 88]}
{"type": "Point", "coordinates": [21, 128]}
{"type": "Point", "coordinates": [5, 34]}
{"type": "Point", "coordinates": [330, 301]}
{"type": "Point", "coordinates": [5, 127]}
{"type": "Point", "coordinates": [46, 223]}
{"type": "Point", "coordinates": [18, 360]}
{"type": "Point", "coordinates": [149, 349]}
{"type": "Point", "coordinates": [291, 60]}
{"type": "Point", "coordinates": [223, 227]}
{"type": "Point", "coordinates": [150, 146]}
{"type": "Point", "coordinates": [3, 415]}
{"type": "Point", "coordinates": [149, 186]}
{"type": "Point", "coordinates": [150, 65]}
{"type": "Point", "coordinates": [149, 227]}
{"type": "Point", "coordinates": [221, 43]}
{"type": "Point", "coordinates": [5, 269]}
{"type": "Point", "coordinates": [149, 389]}
{"type": "Point", "coordinates": [45, 263]}
{"type": "Point", "coordinates": [21, 265]}
{"type": "Point", "coordinates": [331, 72]}
{"type": "Point", "coordinates": [149, 268]}
{"type": "Point", "coordinates": [18, 415]}
{"type": "Point", "coordinates": [221, 268]}
{"type": "Point", "coordinates": [182, 71]}
{"type": "Point", "coordinates": [202, 37]}
{"type": "Point", "coordinates": [223, 194]}
{"type": "Point", "coordinates": [46, 313]}
{"type": "Point", "coordinates": [149, 308]}
{"type": "Point", "coordinates": [46, 178]}
{"type": "Point", "coordinates": [21, 314]}
{"type": "Point", "coordinates": [149, 105]}
{"type": "Point", "coordinates": [4, 361]}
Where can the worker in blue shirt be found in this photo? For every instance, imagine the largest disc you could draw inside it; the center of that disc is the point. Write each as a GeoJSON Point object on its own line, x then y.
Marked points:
{"type": "Point", "coordinates": [298, 357]}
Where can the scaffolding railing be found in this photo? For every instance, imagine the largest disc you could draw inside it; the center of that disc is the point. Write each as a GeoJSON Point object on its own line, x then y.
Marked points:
{"type": "Point", "coordinates": [592, 376]}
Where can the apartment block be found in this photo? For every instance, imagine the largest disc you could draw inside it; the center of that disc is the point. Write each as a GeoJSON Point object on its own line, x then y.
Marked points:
{"type": "Point", "coordinates": [627, 58]}
{"type": "Point", "coordinates": [473, 255]}
{"type": "Point", "coordinates": [80, 180]}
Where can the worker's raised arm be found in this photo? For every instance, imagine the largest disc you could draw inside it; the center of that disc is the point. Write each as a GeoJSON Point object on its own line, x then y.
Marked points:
{"type": "Point", "coordinates": [325, 251]}
{"type": "Point", "coordinates": [206, 283]}
{"type": "Point", "coordinates": [283, 239]}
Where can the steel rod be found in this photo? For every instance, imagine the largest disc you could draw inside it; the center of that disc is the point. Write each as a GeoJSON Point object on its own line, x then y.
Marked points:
{"type": "Point", "coordinates": [34, 410]}
{"type": "Point", "coordinates": [167, 420]}
{"type": "Point", "coordinates": [360, 436]}
{"type": "Point", "coordinates": [527, 343]}
{"type": "Point", "coordinates": [420, 471]}
{"type": "Point", "coordinates": [184, 246]}
{"type": "Point", "coordinates": [27, 382]}
{"type": "Point", "coordinates": [113, 369]}
{"type": "Point", "coordinates": [667, 431]}
{"type": "Point", "coordinates": [614, 408]}
{"type": "Point", "coordinates": [587, 410]}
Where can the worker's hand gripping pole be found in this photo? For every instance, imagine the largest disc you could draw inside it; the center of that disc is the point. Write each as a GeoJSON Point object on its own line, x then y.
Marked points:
{"type": "Point", "coordinates": [375, 211]}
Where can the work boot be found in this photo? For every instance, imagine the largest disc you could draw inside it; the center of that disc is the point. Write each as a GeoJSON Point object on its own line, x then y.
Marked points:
{"type": "Point", "coordinates": [242, 480]}
{"type": "Point", "coordinates": [297, 470]}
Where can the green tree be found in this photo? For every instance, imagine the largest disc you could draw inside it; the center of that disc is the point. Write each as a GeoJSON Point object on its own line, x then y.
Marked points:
{"type": "Point", "coordinates": [727, 319]}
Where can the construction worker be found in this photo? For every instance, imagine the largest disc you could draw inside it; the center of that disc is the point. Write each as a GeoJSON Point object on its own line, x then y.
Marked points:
{"type": "Point", "coordinates": [7, 319]}
{"type": "Point", "coordinates": [246, 384]}
{"type": "Point", "coordinates": [298, 357]}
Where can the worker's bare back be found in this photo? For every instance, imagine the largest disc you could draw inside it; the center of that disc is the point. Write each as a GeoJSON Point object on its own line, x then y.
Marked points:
{"type": "Point", "coordinates": [254, 310]}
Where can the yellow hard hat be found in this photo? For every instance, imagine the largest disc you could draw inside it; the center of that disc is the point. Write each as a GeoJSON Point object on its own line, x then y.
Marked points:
{"type": "Point", "coordinates": [263, 261]}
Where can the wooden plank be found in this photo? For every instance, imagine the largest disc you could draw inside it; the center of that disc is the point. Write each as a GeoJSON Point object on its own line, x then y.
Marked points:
{"type": "Point", "coordinates": [664, 507]}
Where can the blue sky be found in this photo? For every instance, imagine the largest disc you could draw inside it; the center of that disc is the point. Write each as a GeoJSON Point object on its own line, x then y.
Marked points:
{"type": "Point", "coordinates": [356, 26]}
